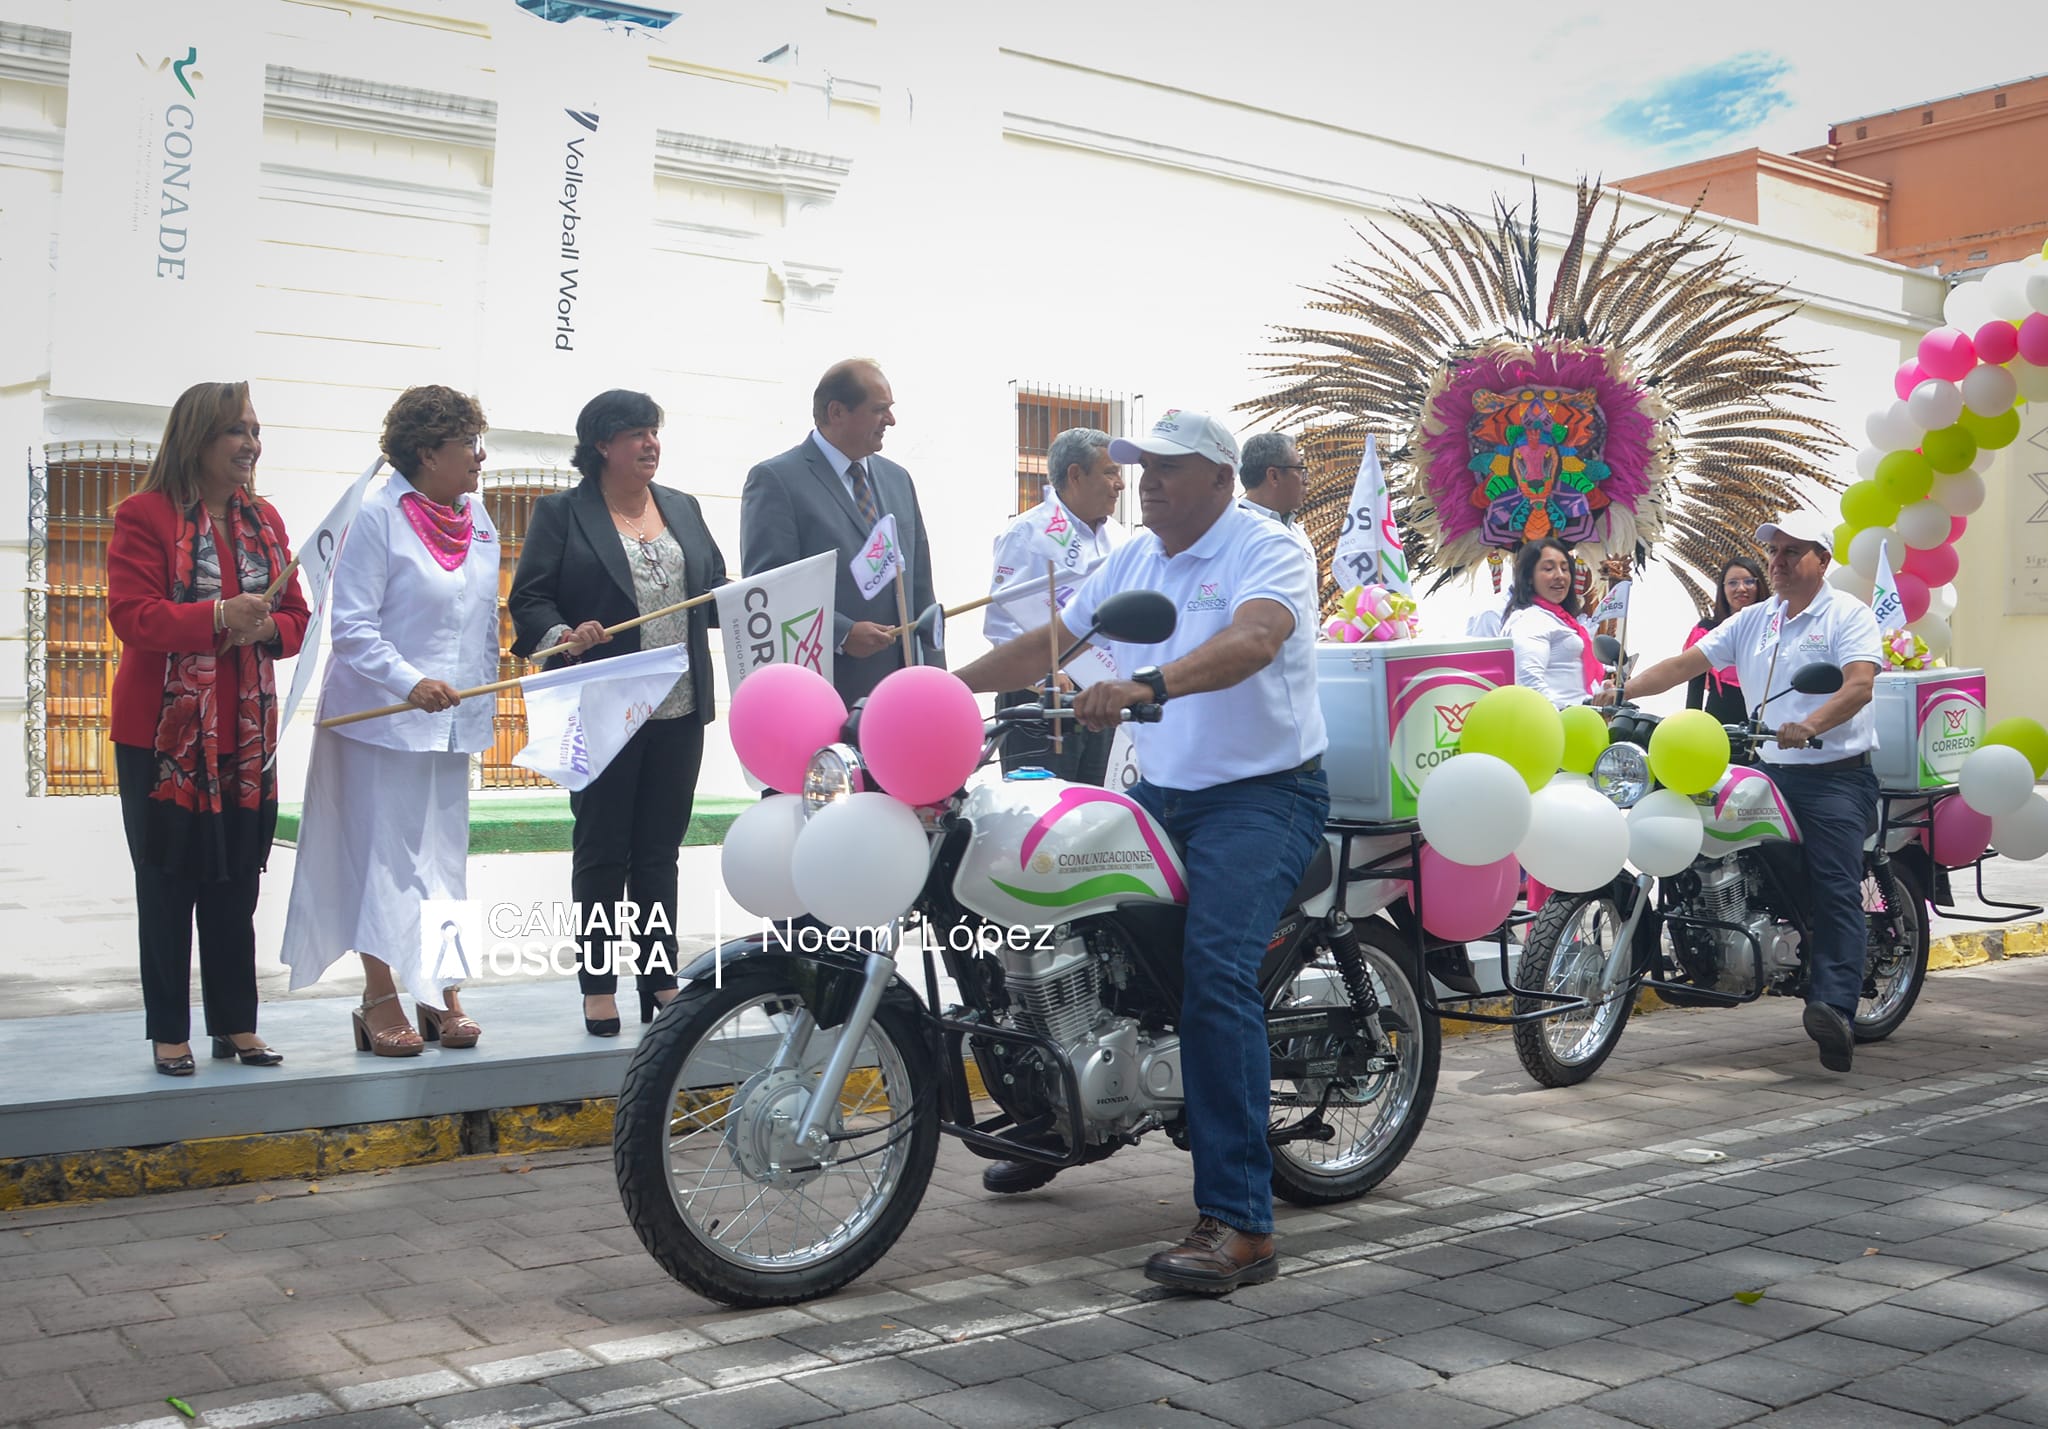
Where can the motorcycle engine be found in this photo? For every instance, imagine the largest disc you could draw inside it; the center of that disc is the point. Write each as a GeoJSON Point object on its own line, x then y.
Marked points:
{"type": "Point", "coordinates": [1124, 1073]}
{"type": "Point", "coordinates": [1724, 897]}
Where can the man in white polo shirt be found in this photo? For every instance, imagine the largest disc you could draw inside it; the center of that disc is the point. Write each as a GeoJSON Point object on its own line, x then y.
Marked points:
{"type": "Point", "coordinates": [1830, 787]}
{"type": "Point", "coordinates": [1233, 770]}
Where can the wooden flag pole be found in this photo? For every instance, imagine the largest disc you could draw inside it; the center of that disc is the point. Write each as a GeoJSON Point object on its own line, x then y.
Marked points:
{"type": "Point", "coordinates": [360, 715]}
{"type": "Point", "coordinates": [950, 611]}
{"type": "Point", "coordinates": [1052, 640]}
{"type": "Point", "coordinates": [282, 576]}
{"type": "Point", "coordinates": [903, 615]}
{"type": "Point", "coordinates": [691, 603]}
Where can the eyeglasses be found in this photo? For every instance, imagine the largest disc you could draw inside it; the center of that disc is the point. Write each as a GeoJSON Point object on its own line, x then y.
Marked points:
{"type": "Point", "coordinates": [1291, 466]}
{"type": "Point", "coordinates": [475, 443]}
{"type": "Point", "coordinates": [656, 572]}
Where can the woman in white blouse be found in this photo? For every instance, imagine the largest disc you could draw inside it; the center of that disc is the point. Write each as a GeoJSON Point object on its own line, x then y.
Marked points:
{"type": "Point", "coordinates": [1553, 649]}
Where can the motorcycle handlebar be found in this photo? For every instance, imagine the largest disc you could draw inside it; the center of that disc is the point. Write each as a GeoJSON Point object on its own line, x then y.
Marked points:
{"type": "Point", "coordinates": [1146, 713]}
{"type": "Point", "coordinates": [1735, 732]}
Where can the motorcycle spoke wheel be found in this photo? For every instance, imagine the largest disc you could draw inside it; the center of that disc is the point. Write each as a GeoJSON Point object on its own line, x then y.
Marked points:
{"type": "Point", "coordinates": [1375, 1118]}
{"type": "Point", "coordinates": [715, 1182]}
{"type": "Point", "coordinates": [1566, 953]}
{"type": "Point", "coordinates": [1895, 957]}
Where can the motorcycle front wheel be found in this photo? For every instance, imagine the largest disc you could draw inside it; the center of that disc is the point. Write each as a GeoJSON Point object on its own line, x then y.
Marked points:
{"type": "Point", "coordinates": [713, 1180]}
{"type": "Point", "coordinates": [1895, 958]}
{"type": "Point", "coordinates": [1566, 952]}
{"type": "Point", "coordinates": [1375, 1119]}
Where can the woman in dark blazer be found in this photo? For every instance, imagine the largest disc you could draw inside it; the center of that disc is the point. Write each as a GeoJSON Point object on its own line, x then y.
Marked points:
{"type": "Point", "coordinates": [610, 549]}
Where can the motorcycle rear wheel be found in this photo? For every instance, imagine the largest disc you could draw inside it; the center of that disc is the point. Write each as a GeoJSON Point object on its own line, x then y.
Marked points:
{"type": "Point", "coordinates": [1376, 1118]}
{"type": "Point", "coordinates": [711, 1182]}
{"type": "Point", "coordinates": [1566, 952]}
{"type": "Point", "coordinates": [1898, 987]}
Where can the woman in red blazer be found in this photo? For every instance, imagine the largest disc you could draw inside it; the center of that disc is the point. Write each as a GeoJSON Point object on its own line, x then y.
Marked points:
{"type": "Point", "coordinates": [195, 714]}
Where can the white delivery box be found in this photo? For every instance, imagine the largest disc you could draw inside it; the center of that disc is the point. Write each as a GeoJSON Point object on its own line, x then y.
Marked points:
{"type": "Point", "coordinates": [1395, 710]}
{"type": "Point", "coordinates": [1928, 722]}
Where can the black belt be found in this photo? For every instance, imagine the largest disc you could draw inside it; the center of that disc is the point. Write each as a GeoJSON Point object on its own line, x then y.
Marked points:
{"type": "Point", "coordinates": [1854, 761]}
{"type": "Point", "coordinates": [1308, 766]}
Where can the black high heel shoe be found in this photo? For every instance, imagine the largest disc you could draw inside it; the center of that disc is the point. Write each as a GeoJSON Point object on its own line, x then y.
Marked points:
{"type": "Point", "coordinates": [601, 1026]}
{"type": "Point", "coordinates": [649, 1007]}
{"type": "Point", "coordinates": [224, 1048]}
{"type": "Point", "coordinates": [181, 1065]}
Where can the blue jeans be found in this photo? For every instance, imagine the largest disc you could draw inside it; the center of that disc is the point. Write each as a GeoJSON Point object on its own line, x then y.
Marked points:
{"type": "Point", "coordinates": [1837, 811]}
{"type": "Point", "coordinates": [1246, 845]}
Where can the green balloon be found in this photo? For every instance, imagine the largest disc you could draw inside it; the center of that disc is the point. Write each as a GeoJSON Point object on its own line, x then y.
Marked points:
{"type": "Point", "coordinates": [1585, 735]}
{"type": "Point", "coordinates": [1871, 503]}
{"type": "Point", "coordinates": [1689, 752]}
{"type": "Point", "coordinates": [1844, 534]}
{"type": "Point", "coordinates": [1903, 477]}
{"type": "Point", "coordinates": [1516, 724]}
{"type": "Point", "coordinates": [1992, 432]}
{"type": "Point", "coordinates": [1952, 448]}
{"type": "Point", "coordinates": [2026, 735]}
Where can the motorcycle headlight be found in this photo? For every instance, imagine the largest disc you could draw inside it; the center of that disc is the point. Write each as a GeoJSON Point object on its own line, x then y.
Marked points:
{"type": "Point", "coordinates": [834, 774]}
{"type": "Point", "coordinates": [1622, 773]}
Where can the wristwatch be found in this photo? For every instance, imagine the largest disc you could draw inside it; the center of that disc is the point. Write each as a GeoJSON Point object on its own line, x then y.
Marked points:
{"type": "Point", "coordinates": [1150, 675]}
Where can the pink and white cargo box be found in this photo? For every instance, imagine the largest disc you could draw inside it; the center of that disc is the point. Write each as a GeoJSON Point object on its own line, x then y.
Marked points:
{"type": "Point", "coordinates": [1395, 711]}
{"type": "Point", "coordinates": [1928, 722]}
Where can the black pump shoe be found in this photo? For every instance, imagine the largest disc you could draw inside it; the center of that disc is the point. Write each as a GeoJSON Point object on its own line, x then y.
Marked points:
{"type": "Point", "coordinates": [179, 1066]}
{"type": "Point", "coordinates": [600, 1026]}
{"type": "Point", "coordinates": [224, 1048]}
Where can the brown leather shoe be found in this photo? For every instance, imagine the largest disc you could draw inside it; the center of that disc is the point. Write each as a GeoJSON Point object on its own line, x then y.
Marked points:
{"type": "Point", "coordinates": [1215, 1259]}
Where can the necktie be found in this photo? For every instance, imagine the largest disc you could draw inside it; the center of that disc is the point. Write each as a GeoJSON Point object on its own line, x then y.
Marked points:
{"type": "Point", "coordinates": [863, 494]}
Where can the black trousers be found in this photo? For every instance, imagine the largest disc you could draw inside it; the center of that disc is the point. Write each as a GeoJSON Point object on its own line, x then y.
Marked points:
{"type": "Point", "coordinates": [630, 823]}
{"type": "Point", "coordinates": [165, 907]}
{"type": "Point", "coordinates": [1084, 752]}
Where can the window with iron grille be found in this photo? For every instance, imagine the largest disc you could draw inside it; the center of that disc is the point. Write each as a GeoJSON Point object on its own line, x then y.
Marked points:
{"type": "Point", "coordinates": [509, 497]}
{"type": "Point", "coordinates": [1044, 412]}
{"type": "Point", "coordinates": [72, 653]}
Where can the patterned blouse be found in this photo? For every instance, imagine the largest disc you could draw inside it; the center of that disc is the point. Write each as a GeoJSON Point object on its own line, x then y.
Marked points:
{"type": "Point", "coordinates": [657, 567]}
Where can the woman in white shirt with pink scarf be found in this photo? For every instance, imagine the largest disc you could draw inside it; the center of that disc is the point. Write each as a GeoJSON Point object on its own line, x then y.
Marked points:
{"type": "Point", "coordinates": [1553, 648]}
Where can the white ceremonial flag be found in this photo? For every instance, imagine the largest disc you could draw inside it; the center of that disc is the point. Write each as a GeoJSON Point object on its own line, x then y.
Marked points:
{"type": "Point", "coordinates": [572, 216]}
{"type": "Point", "coordinates": [1122, 771]}
{"type": "Point", "coordinates": [1884, 598]}
{"type": "Point", "coordinates": [317, 552]}
{"type": "Point", "coordinates": [163, 135]}
{"type": "Point", "coordinates": [779, 617]}
{"type": "Point", "coordinates": [580, 716]}
{"type": "Point", "coordinates": [1615, 607]}
{"type": "Point", "coordinates": [878, 559]}
{"type": "Point", "coordinates": [1026, 605]}
{"type": "Point", "coordinates": [1369, 550]}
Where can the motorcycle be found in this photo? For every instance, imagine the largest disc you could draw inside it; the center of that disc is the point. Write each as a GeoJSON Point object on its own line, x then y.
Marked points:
{"type": "Point", "coordinates": [1728, 929]}
{"type": "Point", "coordinates": [780, 1120]}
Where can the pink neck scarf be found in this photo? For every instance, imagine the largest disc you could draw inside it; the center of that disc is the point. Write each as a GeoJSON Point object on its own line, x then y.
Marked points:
{"type": "Point", "coordinates": [1589, 663]}
{"type": "Point", "coordinates": [444, 530]}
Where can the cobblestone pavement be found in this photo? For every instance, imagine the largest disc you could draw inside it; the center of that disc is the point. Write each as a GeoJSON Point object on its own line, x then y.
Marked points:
{"type": "Point", "coordinates": [1871, 1250]}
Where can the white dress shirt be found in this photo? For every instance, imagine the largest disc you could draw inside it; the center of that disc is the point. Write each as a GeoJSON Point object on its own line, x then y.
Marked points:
{"type": "Point", "coordinates": [1047, 532]}
{"type": "Point", "coordinates": [1548, 656]}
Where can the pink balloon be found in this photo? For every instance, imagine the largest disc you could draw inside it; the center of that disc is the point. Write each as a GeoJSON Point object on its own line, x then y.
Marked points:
{"type": "Point", "coordinates": [1948, 353]}
{"type": "Point", "coordinates": [1461, 901]}
{"type": "Point", "coordinates": [1909, 376]}
{"type": "Point", "coordinates": [1935, 567]}
{"type": "Point", "coordinates": [1957, 525]}
{"type": "Point", "coordinates": [2034, 339]}
{"type": "Point", "coordinates": [781, 715]}
{"type": "Point", "coordinates": [1998, 342]}
{"type": "Point", "coordinates": [1961, 834]}
{"type": "Point", "coordinates": [921, 734]}
{"type": "Point", "coordinates": [1913, 594]}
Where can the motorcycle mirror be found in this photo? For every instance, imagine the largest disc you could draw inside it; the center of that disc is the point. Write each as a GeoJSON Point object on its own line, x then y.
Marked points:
{"type": "Point", "coordinates": [1135, 617]}
{"type": "Point", "coordinates": [1818, 679]}
{"type": "Point", "coordinates": [931, 627]}
{"type": "Point", "coordinates": [1606, 649]}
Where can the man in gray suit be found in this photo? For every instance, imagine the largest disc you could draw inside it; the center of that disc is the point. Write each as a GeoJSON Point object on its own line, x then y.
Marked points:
{"type": "Point", "coordinates": [825, 494]}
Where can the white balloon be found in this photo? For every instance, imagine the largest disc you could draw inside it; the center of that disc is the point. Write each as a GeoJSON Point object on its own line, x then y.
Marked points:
{"type": "Point", "coordinates": [757, 855]}
{"type": "Point", "coordinates": [1990, 390]}
{"type": "Point", "coordinates": [1665, 832]}
{"type": "Point", "coordinates": [2037, 290]}
{"type": "Point", "coordinates": [1865, 545]}
{"type": "Point", "coordinates": [1941, 600]}
{"type": "Point", "coordinates": [1934, 404]}
{"type": "Point", "coordinates": [1933, 629]}
{"type": "Point", "coordinates": [1577, 839]}
{"type": "Point", "coordinates": [2033, 380]}
{"type": "Point", "coordinates": [1474, 809]}
{"type": "Point", "coordinates": [1895, 428]}
{"type": "Point", "coordinates": [860, 862]}
{"type": "Point", "coordinates": [1843, 578]}
{"type": "Point", "coordinates": [1959, 493]}
{"type": "Point", "coordinates": [2023, 834]}
{"type": "Point", "coordinates": [1967, 307]}
{"type": "Point", "coordinates": [2005, 289]}
{"type": "Point", "coordinates": [1866, 463]}
{"type": "Point", "coordinates": [1983, 461]}
{"type": "Point", "coordinates": [1923, 524]}
{"type": "Point", "coordinates": [1995, 780]}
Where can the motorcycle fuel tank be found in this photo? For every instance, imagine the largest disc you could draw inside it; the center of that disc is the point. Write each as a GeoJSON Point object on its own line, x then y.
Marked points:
{"type": "Point", "coordinates": [1045, 851]}
{"type": "Point", "coordinates": [1746, 809]}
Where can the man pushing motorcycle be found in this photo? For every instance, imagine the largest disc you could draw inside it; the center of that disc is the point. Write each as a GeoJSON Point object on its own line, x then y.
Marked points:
{"type": "Point", "coordinates": [1233, 771]}
{"type": "Point", "coordinates": [1832, 790]}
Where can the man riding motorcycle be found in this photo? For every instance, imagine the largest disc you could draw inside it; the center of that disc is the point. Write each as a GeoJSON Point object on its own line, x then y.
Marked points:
{"type": "Point", "coordinates": [1832, 791]}
{"type": "Point", "coordinates": [1233, 771]}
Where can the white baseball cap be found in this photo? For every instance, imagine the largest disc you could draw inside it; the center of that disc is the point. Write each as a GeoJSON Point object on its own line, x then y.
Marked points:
{"type": "Point", "coordinates": [1180, 431]}
{"type": "Point", "coordinates": [1800, 526]}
